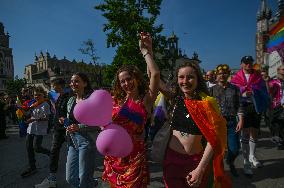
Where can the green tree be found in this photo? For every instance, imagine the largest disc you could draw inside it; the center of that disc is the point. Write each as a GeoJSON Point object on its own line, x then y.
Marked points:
{"type": "Point", "coordinates": [88, 48]}
{"type": "Point", "coordinates": [125, 19]}
{"type": "Point", "coordinates": [14, 86]}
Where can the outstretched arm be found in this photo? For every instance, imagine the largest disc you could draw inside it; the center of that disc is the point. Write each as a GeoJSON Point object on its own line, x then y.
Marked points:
{"type": "Point", "coordinates": [153, 71]}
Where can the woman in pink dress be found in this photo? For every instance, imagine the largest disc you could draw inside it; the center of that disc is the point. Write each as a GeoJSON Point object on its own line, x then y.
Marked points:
{"type": "Point", "coordinates": [133, 100]}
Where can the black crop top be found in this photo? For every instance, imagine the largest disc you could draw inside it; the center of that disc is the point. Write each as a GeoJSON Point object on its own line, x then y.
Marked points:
{"type": "Point", "coordinates": [182, 121]}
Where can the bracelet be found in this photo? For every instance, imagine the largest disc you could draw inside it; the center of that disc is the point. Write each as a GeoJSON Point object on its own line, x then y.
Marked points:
{"type": "Point", "coordinates": [144, 55]}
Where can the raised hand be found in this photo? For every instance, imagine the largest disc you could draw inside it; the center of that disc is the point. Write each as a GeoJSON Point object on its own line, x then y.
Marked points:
{"type": "Point", "coordinates": [145, 44]}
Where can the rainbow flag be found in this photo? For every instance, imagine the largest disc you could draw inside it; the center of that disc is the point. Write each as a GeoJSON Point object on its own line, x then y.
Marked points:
{"type": "Point", "coordinates": [276, 41]}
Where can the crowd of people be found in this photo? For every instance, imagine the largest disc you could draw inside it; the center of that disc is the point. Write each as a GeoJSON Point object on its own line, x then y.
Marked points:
{"type": "Point", "coordinates": [212, 116]}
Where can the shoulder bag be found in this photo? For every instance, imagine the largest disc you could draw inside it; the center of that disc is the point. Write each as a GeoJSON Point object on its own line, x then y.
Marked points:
{"type": "Point", "coordinates": [161, 140]}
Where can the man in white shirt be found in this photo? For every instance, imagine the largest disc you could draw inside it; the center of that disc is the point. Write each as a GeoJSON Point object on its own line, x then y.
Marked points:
{"type": "Point", "coordinates": [211, 79]}
{"type": "Point", "coordinates": [255, 100]}
{"type": "Point", "coordinates": [38, 123]}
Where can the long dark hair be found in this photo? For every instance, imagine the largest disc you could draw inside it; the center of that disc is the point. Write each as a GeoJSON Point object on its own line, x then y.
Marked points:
{"type": "Point", "coordinates": [88, 89]}
{"type": "Point", "coordinates": [118, 93]}
{"type": "Point", "coordinates": [201, 84]}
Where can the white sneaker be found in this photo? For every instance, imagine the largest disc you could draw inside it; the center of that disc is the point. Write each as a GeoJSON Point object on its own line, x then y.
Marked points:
{"type": "Point", "coordinates": [46, 183]}
{"type": "Point", "coordinates": [247, 168]}
{"type": "Point", "coordinates": [253, 160]}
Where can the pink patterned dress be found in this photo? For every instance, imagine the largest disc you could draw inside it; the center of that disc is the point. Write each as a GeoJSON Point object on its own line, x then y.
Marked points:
{"type": "Point", "coordinates": [130, 171]}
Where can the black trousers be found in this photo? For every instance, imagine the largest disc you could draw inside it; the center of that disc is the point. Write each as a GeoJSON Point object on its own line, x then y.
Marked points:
{"type": "Point", "coordinates": [57, 141]}
{"type": "Point", "coordinates": [278, 122]}
{"type": "Point", "coordinates": [33, 144]}
{"type": "Point", "coordinates": [2, 126]}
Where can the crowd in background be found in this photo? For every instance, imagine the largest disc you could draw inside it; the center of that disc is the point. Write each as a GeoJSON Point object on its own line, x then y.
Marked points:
{"type": "Point", "coordinates": [237, 103]}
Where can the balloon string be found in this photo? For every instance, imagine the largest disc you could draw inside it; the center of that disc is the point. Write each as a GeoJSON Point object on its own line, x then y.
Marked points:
{"type": "Point", "coordinates": [104, 126]}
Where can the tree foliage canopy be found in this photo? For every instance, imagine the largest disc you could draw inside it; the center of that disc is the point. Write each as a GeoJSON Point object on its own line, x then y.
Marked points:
{"type": "Point", "coordinates": [125, 20]}
{"type": "Point", "coordinates": [14, 86]}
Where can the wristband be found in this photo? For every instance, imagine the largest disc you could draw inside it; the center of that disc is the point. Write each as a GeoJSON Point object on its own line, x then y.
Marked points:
{"type": "Point", "coordinates": [144, 55]}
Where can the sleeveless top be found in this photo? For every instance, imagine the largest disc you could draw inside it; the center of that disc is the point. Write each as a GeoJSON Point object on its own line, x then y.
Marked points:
{"type": "Point", "coordinates": [131, 116]}
{"type": "Point", "coordinates": [182, 120]}
{"type": "Point", "coordinates": [132, 170]}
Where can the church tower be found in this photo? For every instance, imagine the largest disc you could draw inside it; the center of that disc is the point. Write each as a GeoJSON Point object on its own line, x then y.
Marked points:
{"type": "Point", "coordinates": [6, 59]}
{"type": "Point", "coordinates": [262, 33]}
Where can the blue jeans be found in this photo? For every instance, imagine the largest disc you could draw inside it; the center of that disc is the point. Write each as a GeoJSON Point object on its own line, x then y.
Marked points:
{"type": "Point", "coordinates": [80, 163]}
{"type": "Point", "coordinates": [233, 140]}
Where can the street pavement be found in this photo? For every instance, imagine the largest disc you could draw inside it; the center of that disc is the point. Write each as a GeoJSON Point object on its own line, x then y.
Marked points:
{"type": "Point", "coordinates": [13, 161]}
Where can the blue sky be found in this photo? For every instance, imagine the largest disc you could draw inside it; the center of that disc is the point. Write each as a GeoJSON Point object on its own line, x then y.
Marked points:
{"type": "Point", "coordinates": [220, 31]}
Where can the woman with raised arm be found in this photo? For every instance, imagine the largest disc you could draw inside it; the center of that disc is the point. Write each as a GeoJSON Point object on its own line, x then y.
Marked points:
{"type": "Point", "coordinates": [199, 134]}
{"type": "Point", "coordinates": [133, 100]}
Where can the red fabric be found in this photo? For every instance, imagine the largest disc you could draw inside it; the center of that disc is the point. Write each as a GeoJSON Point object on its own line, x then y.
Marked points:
{"type": "Point", "coordinates": [213, 127]}
{"type": "Point", "coordinates": [131, 171]}
{"type": "Point", "coordinates": [177, 166]}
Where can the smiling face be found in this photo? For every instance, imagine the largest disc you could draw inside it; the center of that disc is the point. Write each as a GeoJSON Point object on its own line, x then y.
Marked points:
{"type": "Point", "coordinates": [210, 76]}
{"type": "Point", "coordinates": [77, 84]}
{"type": "Point", "coordinates": [127, 82]}
{"type": "Point", "coordinates": [187, 80]}
{"type": "Point", "coordinates": [38, 95]}
{"type": "Point", "coordinates": [222, 76]}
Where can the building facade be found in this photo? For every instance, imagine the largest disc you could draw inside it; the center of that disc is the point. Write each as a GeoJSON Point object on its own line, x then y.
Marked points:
{"type": "Point", "coordinates": [6, 59]}
{"type": "Point", "coordinates": [46, 68]}
{"type": "Point", "coordinates": [270, 37]}
{"type": "Point", "coordinates": [173, 58]}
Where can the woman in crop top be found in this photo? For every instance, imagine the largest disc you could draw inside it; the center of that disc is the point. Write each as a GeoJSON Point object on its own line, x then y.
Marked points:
{"type": "Point", "coordinates": [194, 157]}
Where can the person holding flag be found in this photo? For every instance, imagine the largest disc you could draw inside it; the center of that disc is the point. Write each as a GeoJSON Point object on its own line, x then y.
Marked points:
{"type": "Point", "coordinates": [255, 100]}
{"type": "Point", "coordinates": [38, 123]}
{"type": "Point", "coordinates": [22, 104]}
{"type": "Point", "coordinates": [195, 153]}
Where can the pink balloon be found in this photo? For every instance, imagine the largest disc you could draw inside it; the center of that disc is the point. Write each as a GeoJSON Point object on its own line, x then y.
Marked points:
{"type": "Point", "coordinates": [96, 110]}
{"type": "Point", "coordinates": [114, 141]}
